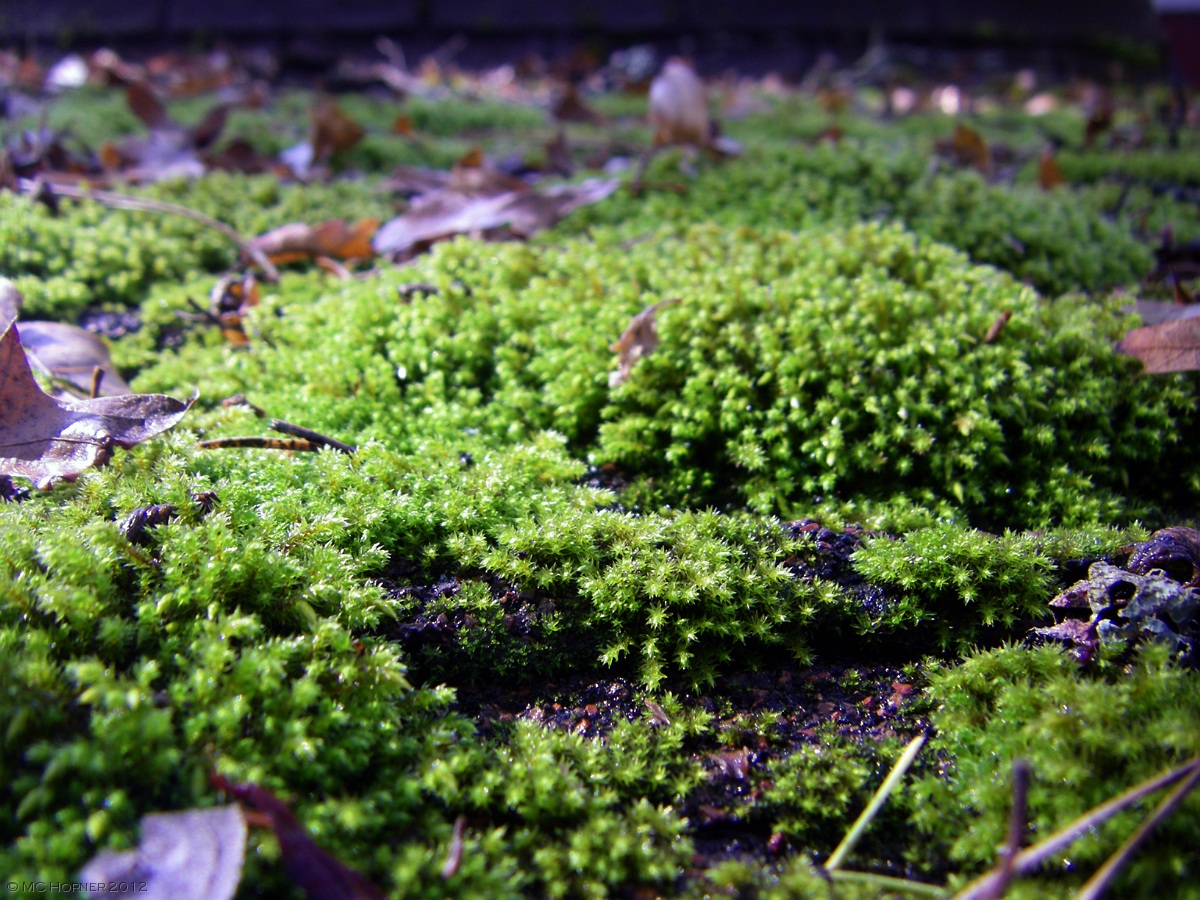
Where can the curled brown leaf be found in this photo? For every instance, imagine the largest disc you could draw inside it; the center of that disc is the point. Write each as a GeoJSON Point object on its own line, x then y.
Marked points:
{"type": "Point", "coordinates": [48, 439]}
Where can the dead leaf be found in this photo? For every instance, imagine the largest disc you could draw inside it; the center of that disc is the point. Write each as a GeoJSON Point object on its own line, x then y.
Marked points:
{"type": "Point", "coordinates": [472, 159]}
{"type": "Point", "coordinates": [73, 355]}
{"type": "Point", "coordinates": [47, 439]}
{"type": "Point", "coordinates": [639, 339]}
{"type": "Point", "coordinates": [331, 238]}
{"type": "Point", "coordinates": [410, 181]}
{"type": "Point", "coordinates": [445, 213]}
{"type": "Point", "coordinates": [1172, 346]}
{"type": "Point", "coordinates": [196, 854]}
{"type": "Point", "coordinates": [1153, 312]}
{"type": "Point", "coordinates": [145, 104]}
{"type": "Point", "coordinates": [311, 868]}
{"type": "Point", "coordinates": [1103, 108]}
{"type": "Point", "coordinates": [332, 131]}
{"type": "Point", "coordinates": [571, 108]}
{"type": "Point", "coordinates": [968, 148]}
{"type": "Point", "coordinates": [231, 298]}
{"type": "Point", "coordinates": [1050, 174]}
{"type": "Point", "coordinates": [205, 132]}
{"type": "Point", "coordinates": [679, 106]}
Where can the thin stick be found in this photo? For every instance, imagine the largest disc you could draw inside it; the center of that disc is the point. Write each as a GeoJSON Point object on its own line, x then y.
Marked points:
{"type": "Point", "coordinates": [454, 856]}
{"type": "Point", "coordinates": [888, 883]}
{"type": "Point", "coordinates": [1031, 858]}
{"type": "Point", "coordinates": [1100, 880]}
{"type": "Point", "coordinates": [97, 377]}
{"type": "Point", "coordinates": [1016, 829]}
{"type": "Point", "coordinates": [852, 837]}
{"type": "Point", "coordinates": [309, 435]}
{"type": "Point", "coordinates": [261, 443]}
{"type": "Point", "coordinates": [143, 204]}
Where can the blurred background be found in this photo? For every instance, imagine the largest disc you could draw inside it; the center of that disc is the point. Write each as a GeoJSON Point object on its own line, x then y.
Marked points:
{"type": "Point", "coordinates": [1061, 39]}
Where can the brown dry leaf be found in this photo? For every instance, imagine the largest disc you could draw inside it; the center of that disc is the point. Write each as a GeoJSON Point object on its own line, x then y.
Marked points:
{"type": "Point", "coordinates": [196, 854]}
{"type": "Point", "coordinates": [1172, 346]}
{"type": "Point", "coordinates": [73, 355]}
{"type": "Point", "coordinates": [332, 130]}
{"type": "Point", "coordinates": [145, 104]}
{"type": "Point", "coordinates": [310, 867]}
{"type": "Point", "coordinates": [472, 159]}
{"type": "Point", "coordinates": [169, 150]}
{"type": "Point", "coordinates": [47, 439]}
{"type": "Point", "coordinates": [1050, 174]}
{"type": "Point", "coordinates": [1155, 312]}
{"type": "Point", "coordinates": [331, 238]}
{"type": "Point", "coordinates": [640, 338]}
{"type": "Point", "coordinates": [473, 175]}
{"type": "Point", "coordinates": [229, 301]}
{"type": "Point", "coordinates": [403, 126]}
{"type": "Point", "coordinates": [571, 108]}
{"type": "Point", "coordinates": [969, 148]}
{"type": "Point", "coordinates": [679, 106]}
{"type": "Point", "coordinates": [1100, 117]}
{"type": "Point", "coordinates": [412, 180]}
{"type": "Point", "coordinates": [445, 213]}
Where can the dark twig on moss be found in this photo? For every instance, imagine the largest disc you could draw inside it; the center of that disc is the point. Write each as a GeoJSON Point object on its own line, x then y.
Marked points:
{"type": "Point", "coordinates": [1017, 818]}
{"type": "Point", "coordinates": [261, 443]}
{"type": "Point", "coordinates": [145, 204]}
{"type": "Point", "coordinates": [1100, 880]}
{"type": "Point", "coordinates": [309, 435]}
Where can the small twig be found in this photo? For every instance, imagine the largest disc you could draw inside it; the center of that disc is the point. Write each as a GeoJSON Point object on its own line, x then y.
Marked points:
{"type": "Point", "coordinates": [454, 857]}
{"type": "Point", "coordinates": [1031, 858]}
{"type": "Point", "coordinates": [97, 377]}
{"type": "Point", "coordinates": [1017, 818]}
{"type": "Point", "coordinates": [144, 204]}
{"type": "Point", "coordinates": [846, 847]}
{"type": "Point", "coordinates": [202, 314]}
{"type": "Point", "coordinates": [309, 435]}
{"type": "Point", "coordinates": [1115, 210]}
{"type": "Point", "coordinates": [240, 400]}
{"type": "Point", "coordinates": [406, 291]}
{"type": "Point", "coordinates": [997, 326]}
{"type": "Point", "coordinates": [888, 883]}
{"type": "Point", "coordinates": [1100, 880]}
{"type": "Point", "coordinates": [261, 443]}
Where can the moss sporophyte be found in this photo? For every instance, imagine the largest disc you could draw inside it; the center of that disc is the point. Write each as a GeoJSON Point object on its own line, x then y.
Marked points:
{"type": "Point", "coordinates": [608, 624]}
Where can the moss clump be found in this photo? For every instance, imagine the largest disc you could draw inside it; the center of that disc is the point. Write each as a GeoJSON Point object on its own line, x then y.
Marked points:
{"type": "Point", "coordinates": [845, 364]}
{"type": "Point", "coordinates": [88, 255]}
{"type": "Point", "coordinates": [1047, 239]}
{"type": "Point", "coordinates": [817, 791]}
{"type": "Point", "coordinates": [961, 582]}
{"type": "Point", "coordinates": [1087, 736]}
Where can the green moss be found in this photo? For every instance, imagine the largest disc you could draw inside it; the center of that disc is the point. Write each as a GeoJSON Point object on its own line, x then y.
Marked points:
{"type": "Point", "coordinates": [820, 363]}
{"type": "Point", "coordinates": [1087, 736]}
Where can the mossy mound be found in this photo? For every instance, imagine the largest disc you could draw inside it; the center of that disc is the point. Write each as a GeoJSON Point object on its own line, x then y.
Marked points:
{"type": "Point", "coordinates": [512, 517]}
{"type": "Point", "coordinates": [839, 369]}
